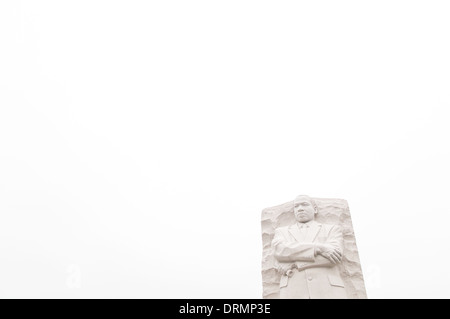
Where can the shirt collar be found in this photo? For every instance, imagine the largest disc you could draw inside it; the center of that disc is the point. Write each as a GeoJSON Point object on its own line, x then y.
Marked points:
{"type": "Point", "coordinates": [308, 224]}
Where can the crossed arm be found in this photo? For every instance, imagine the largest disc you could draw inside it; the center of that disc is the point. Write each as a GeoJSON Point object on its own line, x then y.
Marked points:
{"type": "Point", "coordinates": [325, 254]}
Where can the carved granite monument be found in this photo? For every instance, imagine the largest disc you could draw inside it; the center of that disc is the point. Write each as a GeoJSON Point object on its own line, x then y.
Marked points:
{"type": "Point", "coordinates": [309, 251]}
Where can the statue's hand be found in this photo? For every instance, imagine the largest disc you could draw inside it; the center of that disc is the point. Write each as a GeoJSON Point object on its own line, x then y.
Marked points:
{"type": "Point", "coordinates": [284, 268]}
{"type": "Point", "coordinates": [330, 252]}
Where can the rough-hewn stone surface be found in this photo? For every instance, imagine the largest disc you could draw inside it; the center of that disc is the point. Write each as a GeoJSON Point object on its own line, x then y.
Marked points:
{"type": "Point", "coordinates": [331, 211]}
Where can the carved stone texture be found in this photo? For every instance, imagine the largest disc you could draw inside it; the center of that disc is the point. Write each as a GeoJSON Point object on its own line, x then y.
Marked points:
{"type": "Point", "coordinates": [331, 212]}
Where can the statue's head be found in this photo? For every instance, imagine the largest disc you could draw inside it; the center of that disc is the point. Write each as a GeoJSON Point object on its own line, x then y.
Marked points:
{"type": "Point", "coordinates": [305, 209]}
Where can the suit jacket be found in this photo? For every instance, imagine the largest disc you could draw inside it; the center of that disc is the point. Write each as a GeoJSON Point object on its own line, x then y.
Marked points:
{"type": "Point", "coordinates": [313, 277]}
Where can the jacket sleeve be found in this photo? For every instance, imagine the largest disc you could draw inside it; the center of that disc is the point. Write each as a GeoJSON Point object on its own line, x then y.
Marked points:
{"type": "Point", "coordinates": [335, 238]}
{"type": "Point", "coordinates": [286, 251]}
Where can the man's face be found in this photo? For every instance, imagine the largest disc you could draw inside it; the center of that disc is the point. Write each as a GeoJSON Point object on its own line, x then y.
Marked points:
{"type": "Point", "coordinates": [304, 210]}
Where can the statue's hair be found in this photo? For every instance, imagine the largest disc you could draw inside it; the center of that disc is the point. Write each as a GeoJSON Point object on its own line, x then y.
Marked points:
{"type": "Point", "coordinates": [310, 199]}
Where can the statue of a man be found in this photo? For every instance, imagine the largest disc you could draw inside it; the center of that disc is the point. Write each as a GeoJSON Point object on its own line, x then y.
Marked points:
{"type": "Point", "coordinates": [307, 254]}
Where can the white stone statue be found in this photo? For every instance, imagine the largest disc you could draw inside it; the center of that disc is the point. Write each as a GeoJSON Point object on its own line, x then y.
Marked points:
{"type": "Point", "coordinates": [307, 255]}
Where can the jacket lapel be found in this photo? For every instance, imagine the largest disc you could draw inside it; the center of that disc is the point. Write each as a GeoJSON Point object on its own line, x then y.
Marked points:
{"type": "Point", "coordinates": [311, 235]}
{"type": "Point", "coordinates": [313, 230]}
{"type": "Point", "coordinates": [295, 232]}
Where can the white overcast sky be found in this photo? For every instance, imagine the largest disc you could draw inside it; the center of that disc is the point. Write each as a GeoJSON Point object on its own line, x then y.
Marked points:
{"type": "Point", "coordinates": [140, 140]}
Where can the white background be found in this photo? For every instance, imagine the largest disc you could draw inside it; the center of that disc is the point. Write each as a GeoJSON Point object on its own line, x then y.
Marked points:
{"type": "Point", "coordinates": [140, 140]}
